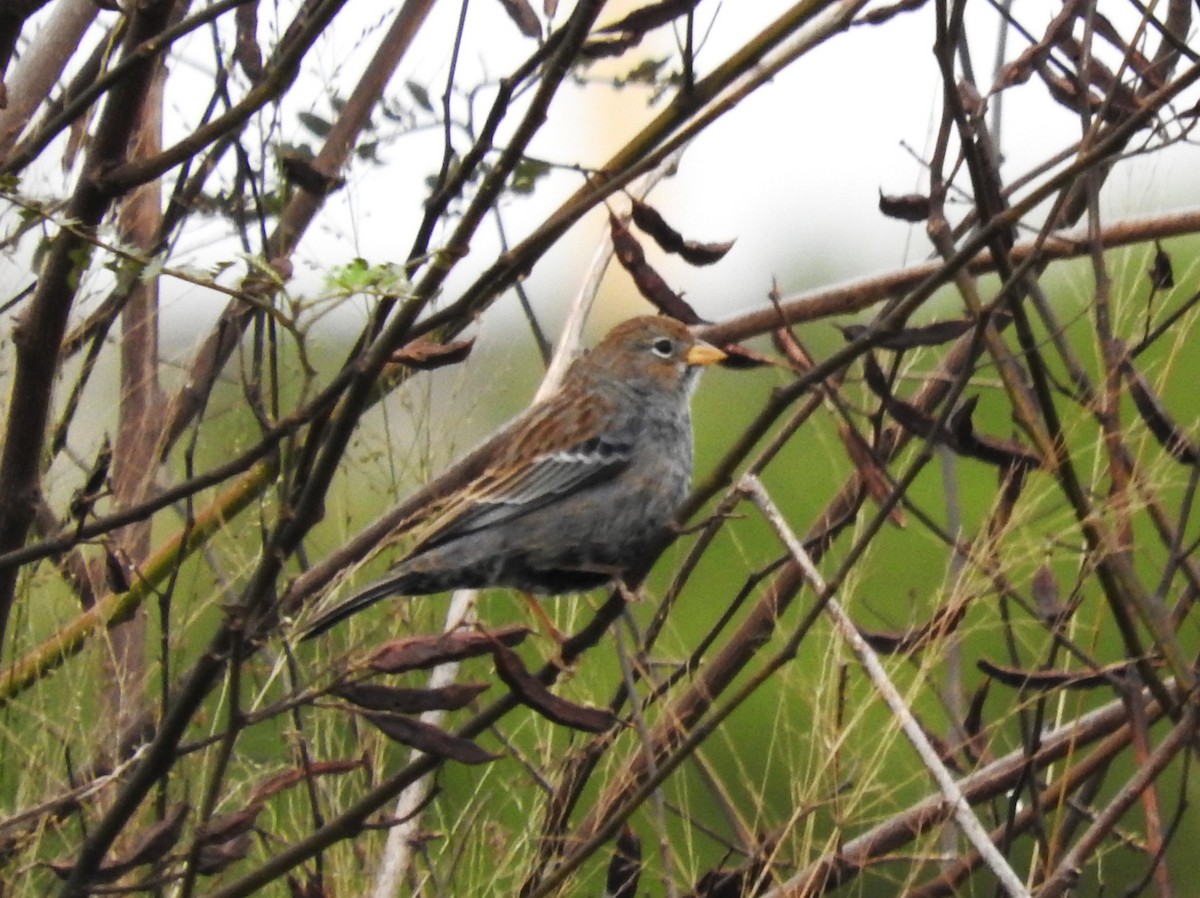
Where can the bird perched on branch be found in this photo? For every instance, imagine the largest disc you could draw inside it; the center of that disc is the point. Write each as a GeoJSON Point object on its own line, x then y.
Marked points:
{"type": "Point", "coordinates": [570, 494]}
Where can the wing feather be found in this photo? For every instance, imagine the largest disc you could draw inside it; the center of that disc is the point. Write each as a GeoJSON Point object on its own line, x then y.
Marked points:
{"type": "Point", "coordinates": [553, 452]}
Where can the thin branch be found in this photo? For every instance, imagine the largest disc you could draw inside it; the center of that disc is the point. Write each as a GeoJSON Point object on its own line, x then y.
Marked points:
{"type": "Point", "coordinates": [967, 821]}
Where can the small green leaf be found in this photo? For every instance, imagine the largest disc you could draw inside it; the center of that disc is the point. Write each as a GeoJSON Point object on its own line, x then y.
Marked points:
{"type": "Point", "coordinates": [315, 123]}
{"type": "Point", "coordinates": [153, 268]}
{"type": "Point", "coordinates": [526, 174]}
{"type": "Point", "coordinates": [420, 95]}
{"type": "Point", "coordinates": [81, 258]}
{"type": "Point", "coordinates": [367, 151]}
{"type": "Point", "coordinates": [359, 276]}
{"type": "Point", "coordinates": [645, 72]}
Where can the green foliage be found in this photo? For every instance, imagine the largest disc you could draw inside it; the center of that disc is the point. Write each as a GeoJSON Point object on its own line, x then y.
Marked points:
{"type": "Point", "coordinates": [359, 276]}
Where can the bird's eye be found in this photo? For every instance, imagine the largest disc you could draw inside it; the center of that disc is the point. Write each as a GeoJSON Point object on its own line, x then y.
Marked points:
{"type": "Point", "coordinates": [663, 348]}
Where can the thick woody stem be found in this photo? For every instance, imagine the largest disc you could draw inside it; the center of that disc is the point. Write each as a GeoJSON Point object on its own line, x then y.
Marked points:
{"type": "Point", "coordinates": [40, 331]}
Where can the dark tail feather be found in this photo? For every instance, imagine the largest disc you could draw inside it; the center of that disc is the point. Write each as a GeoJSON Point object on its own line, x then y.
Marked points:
{"type": "Point", "coordinates": [356, 603]}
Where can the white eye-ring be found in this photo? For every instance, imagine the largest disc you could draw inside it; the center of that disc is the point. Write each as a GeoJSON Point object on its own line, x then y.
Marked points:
{"type": "Point", "coordinates": [663, 348]}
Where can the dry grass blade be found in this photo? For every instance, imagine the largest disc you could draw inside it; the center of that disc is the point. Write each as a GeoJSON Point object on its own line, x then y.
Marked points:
{"type": "Point", "coordinates": [963, 814]}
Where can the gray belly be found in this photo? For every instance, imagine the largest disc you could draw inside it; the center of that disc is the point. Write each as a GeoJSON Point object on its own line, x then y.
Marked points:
{"type": "Point", "coordinates": [577, 543]}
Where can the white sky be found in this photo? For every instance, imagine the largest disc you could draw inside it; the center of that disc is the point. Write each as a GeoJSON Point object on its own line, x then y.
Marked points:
{"type": "Point", "coordinates": [793, 173]}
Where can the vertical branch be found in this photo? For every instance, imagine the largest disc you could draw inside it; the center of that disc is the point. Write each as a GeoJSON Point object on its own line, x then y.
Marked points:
{"type": "Point", "coordinates": [39, 333]}
{"type": "Point", "coordinates": [41, 65]}
{"type": "Point", "coordinates": [399, 851]}
{"type": "Point", "coordinates": [12, 19]}
{"type": "Point", "coordinates": [134, 456]}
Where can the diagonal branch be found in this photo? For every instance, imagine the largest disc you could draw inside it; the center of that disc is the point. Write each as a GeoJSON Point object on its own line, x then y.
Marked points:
{"type": "Point", "coordinates": [951, 793]}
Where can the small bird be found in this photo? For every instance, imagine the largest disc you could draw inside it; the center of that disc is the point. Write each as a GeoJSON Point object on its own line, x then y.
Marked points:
{"type": "Point", "coordinates": [570, 494]}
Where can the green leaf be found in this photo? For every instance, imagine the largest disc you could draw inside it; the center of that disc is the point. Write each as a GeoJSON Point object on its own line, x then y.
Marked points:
{"type": "Point", "coordinates": [526, 174]}
{"type": "Point", "coordinates": [645, 72]}
{"type": "Point", "coordinates": [153, 268]}
{"type": "Point", "coordinates": [359, 276]}
{"type": "Point", "coordinates": [367, 151]}
{"type": "Point", "coordinates": [315, 123]}
{"type": "Point", "coordinates": [420, 95]}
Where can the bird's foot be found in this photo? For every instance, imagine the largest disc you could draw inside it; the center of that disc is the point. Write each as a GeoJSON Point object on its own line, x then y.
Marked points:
{"type": "Point", "coordinates": [544, 619]}
{"type": "Point", "coordinates": [631, 596]}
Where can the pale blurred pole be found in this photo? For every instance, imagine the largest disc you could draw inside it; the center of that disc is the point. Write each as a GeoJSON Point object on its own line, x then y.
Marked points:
{"type": "Point", "coordinates": [42, 64]}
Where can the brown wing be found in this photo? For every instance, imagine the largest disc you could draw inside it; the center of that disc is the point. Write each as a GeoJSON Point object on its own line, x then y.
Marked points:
{"type": "Point", "coordinates": [557, 449]}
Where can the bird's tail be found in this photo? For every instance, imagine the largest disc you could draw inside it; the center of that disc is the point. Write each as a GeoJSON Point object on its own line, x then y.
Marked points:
{"type": "Point", "coordinates": [356, 603]}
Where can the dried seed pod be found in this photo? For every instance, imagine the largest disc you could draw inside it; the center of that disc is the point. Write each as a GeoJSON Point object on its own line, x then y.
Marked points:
{"type": "Point", "coordinates": [1162, 275]}
{"type": "Point", "coordinates": [430, 739]}
{"type": "Point", "coordinates": [912, 207]}
{"type": "Point", "coordinates": [532, 693]}
{"type": "Point", "coordinates": [1160, 423]}
{"type": "Point", "coordinates": [648, 281]}
{"type": "Point", "coordinates": [625, 868]}
{"type": "Point", "coordinates": [670, 240]}
{"type": "Point", "coordinates": [408, 699]}
{"type": "Point", "coordinates": [424, 652]}
{"type": "Point", "coordinates": [651, 16]}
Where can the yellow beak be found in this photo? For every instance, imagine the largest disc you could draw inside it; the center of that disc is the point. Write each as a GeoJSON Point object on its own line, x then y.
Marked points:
{"type": "Point", "coordinates": [704, 354]}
